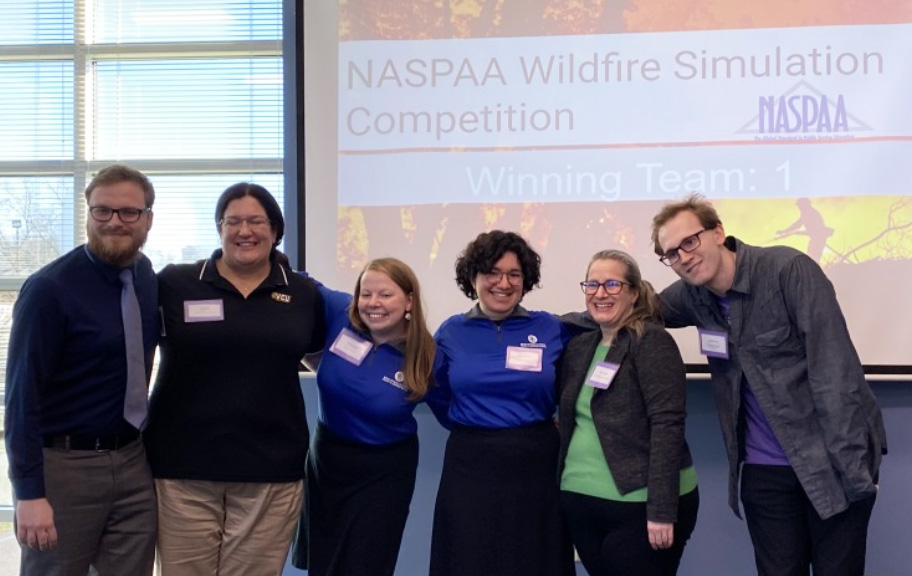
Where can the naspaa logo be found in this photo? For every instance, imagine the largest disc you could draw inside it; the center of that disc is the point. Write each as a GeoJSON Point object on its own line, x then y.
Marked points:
{"type": "Point", "coordinates": [803, 112]}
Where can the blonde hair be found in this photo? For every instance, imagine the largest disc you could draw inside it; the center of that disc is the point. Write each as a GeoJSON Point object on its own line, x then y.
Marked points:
{"type": "Point", "coordinates": [419, 344]}
{"type": "Point", "coordinates": [646, 306]}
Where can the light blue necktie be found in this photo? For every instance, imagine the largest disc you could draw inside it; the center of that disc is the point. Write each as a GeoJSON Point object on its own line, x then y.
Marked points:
{"type": "Point", "coordinates": [136, 397]}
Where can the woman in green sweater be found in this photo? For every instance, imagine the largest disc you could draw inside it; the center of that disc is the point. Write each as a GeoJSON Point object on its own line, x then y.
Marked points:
{"type": "Point", "coordinates": [628, 486]}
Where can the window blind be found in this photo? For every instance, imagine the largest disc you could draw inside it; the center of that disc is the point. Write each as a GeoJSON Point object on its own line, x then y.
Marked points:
{"type": "Point", "coordinates": [191, 93]}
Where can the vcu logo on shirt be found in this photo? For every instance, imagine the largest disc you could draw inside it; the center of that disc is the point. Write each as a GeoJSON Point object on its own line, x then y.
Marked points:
{"type": "Point", "coordinates": [283, 298]}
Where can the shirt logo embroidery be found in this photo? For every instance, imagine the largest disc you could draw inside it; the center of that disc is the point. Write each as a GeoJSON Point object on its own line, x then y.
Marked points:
{"type": "Point", "coordinates": [283, 298]}
{"type": "Point", "coordinates": [532, 342]}
{"type": "Point", "coordinates": [397, 380]}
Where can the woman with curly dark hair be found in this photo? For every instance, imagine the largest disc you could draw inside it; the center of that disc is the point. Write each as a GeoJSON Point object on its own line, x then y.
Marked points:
{"type": "Point", "coordinates": [498, 504]}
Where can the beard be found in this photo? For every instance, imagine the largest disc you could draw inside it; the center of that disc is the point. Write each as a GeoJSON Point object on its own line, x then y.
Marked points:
{"type": "Point", "coordinates": [115, 253]}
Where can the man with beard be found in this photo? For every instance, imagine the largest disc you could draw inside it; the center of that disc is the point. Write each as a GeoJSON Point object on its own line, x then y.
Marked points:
{"type": "Point", "coordinates": [84, 331]}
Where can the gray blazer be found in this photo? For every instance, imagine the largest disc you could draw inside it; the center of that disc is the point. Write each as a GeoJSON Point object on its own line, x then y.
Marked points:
{"type": "Point", "coordinates": [639, 418]}
{"type": "Point", "coordinates": [788, 338]}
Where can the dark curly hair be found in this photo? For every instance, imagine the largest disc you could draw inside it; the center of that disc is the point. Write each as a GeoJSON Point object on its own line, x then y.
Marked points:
{"type": "Point", "coordinates": [483, 252]}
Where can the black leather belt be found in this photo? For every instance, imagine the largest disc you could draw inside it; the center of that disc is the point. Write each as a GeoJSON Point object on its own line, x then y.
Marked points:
{"type": "Point", "coordinates": [96, 443]}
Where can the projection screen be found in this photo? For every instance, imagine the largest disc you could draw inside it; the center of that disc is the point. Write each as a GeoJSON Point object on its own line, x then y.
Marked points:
{"type": "Point", "coordinates": [427, 122]}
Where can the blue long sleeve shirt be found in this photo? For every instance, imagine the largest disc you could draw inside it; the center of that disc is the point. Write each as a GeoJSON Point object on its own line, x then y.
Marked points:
{"type": "Point", "coordinates": [67, 370]}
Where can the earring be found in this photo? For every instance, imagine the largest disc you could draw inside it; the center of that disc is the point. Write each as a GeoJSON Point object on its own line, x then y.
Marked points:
{"type": "Point", "coordinates": [408, 315]}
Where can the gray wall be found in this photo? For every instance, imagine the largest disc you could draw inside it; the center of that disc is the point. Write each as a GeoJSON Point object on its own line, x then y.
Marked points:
{"type": "Point", "coordinates": [720, 544]}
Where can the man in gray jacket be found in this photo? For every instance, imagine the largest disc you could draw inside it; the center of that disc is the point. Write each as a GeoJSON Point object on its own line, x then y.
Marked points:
{"type": "Point", "coordinates": [799, 421]}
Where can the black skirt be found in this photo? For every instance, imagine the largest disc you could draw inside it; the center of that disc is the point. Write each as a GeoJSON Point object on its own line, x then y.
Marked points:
{"type": "Point", "coordinates": [498, 506]}
{"type": "Point", "coordinates": [356, 505]}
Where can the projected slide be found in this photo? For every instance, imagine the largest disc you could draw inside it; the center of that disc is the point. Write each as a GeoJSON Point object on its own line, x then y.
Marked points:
{"type": "Point", "coordinates": [573, 122]}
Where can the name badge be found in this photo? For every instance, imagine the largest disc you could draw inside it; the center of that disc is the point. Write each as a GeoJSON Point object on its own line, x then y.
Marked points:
{"type": "Point", "coordinates": [713, 344]}
{"type": "Point", "coordinates": [524, 359]}
{"type": "Point", "coordinates": [603, 375]}
{"type": "Point", "coordinates": [350, 347]}
{"type": "Point", "coordinates": [203, 311]}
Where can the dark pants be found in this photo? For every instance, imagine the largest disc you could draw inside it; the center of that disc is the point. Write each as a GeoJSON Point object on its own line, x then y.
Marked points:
{"type": "Point", "coordinates": [789, 536]}
{"type": "Point", "coordinates": [611, 537]}
{"type": "Point", "coordinates": [104, 512]}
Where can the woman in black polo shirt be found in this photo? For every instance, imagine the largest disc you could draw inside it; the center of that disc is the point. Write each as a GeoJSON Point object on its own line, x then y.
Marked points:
{"type": "Point", "coordinates": [227, 434]}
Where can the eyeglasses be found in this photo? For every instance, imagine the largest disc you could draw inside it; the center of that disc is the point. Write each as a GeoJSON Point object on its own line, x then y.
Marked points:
{"type": "Point", "coordinates": [236, 222]}
{"type": "Point", "coordinates": [126, 215]}
{"type": "Point", "coordinates": [689, 244]}
{"type": "Point", "coordinates": [493, 277]}
{"type": "Point", "coordinates": [612, 287]}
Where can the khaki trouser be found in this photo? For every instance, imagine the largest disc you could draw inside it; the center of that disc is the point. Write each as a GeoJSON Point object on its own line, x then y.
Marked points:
{"type": "Point", "coordinates": [225, 528]}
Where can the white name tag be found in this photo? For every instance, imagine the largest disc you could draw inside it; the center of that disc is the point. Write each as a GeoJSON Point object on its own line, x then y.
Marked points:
{"type": "Point", "coordinates": [203, 311]}
{"type": "Point", "coordinates": [525, 359]}
{"type": "Point", "coordinates": [349, 346]}
{"type": "Point", "coordinates": [714, 344]}
{"type": "Point", "coordinates": [603, 375]}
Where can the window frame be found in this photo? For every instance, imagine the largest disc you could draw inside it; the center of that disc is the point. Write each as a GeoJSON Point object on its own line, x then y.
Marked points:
{"type": "Point", "coordinates": [81, 166]}
{"type": "Point", "coordinates": [290, 165]}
